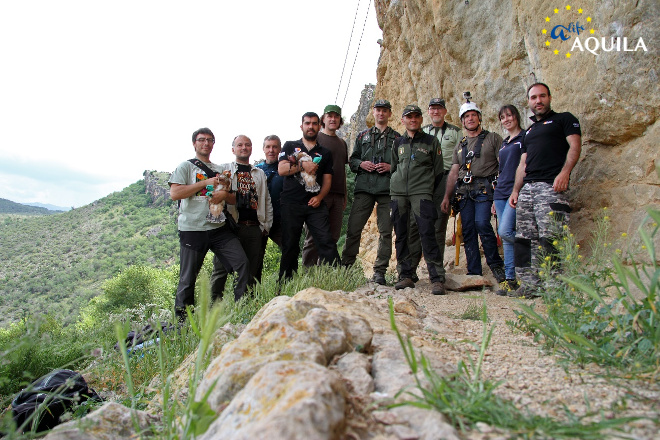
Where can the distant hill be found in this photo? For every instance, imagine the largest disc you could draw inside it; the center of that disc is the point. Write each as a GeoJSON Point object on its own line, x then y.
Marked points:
{"type": "Point", "coordinates": [56, 263]}
{"type": "Point", "coordinates": [9, 207]}
{"type": "Point", "coordinates": [50, 207]}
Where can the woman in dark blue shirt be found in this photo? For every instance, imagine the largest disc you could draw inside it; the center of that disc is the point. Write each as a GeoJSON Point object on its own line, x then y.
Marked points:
{"type": "Point", "coordinates": [509, 158]}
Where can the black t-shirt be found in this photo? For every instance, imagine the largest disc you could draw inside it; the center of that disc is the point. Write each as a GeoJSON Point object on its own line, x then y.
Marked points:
{"type": "Point", "coordinates": [293, 190]}
{"type": "Point", "coordinates": [246, 194]}
{"type": "Point", "coordinates": [546, 145]}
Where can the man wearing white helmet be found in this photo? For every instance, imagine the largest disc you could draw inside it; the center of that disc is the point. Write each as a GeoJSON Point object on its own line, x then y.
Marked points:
{"type": "Point", "coordinates": [473, 171]}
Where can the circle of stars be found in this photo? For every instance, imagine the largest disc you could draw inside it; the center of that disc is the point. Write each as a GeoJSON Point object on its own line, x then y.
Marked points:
{"type": "Point", "coordinates": [547, 20]}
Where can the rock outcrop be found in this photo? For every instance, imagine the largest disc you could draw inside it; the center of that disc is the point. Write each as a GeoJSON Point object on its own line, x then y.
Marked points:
{"type": "Point", "coordinates": [156, 186]}
{"type": "Point", "coordinates": [358, 120]}
{"type": "Point", "coordinates": [497, 49]}
{"type": "Point", "coordinates": [319, 365]}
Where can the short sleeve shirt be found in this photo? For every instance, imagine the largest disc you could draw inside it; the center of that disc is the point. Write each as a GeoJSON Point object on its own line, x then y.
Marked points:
{"type": "Point", "coordinates": [293, 189]}
{"type": "Point", "coordinates": [486, 164]}
{"type": "Point", "coordinates": [546, 145]}
{"type": "Point", "coordinates": [193, 210]}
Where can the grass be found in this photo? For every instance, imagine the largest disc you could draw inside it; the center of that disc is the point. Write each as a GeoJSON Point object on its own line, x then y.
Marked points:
{"type": "Point", "coordinates": [467, 398]}
{"type": "Point", "coordinates": [602, 310]}
{"type": "Point", "coordinates": [39, 343]}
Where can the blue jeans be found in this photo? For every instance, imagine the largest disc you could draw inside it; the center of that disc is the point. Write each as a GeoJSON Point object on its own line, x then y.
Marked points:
{"type": "Point", "coordinates": [506, 217]}
{"type": "Point", "coordinates": [475, 218]}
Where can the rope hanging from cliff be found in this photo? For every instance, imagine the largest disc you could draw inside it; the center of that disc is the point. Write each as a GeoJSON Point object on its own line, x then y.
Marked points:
{"type": "Point", "coordinates": [350, 39]}
{"type": "Point", "coordinates": [364, 25]}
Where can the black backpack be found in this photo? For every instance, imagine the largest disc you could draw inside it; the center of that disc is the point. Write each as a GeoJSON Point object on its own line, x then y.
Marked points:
{"type": "Point", "coordinates": [40, 405]}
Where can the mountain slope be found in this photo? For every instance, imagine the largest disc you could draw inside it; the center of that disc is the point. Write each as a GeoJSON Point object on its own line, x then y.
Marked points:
{"type": "Point", "coordinates": [54, 264]}
{"type": "Point", "coordinates": [9, 207]}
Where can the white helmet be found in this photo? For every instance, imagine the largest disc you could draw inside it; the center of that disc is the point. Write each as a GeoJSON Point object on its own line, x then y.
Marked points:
{"type": "Point", "coordinates": [468, 106]}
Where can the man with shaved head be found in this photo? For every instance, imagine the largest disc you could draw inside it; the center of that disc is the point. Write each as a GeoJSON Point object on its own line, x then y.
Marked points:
{"type": "Point", "coordinates": [253, 212]}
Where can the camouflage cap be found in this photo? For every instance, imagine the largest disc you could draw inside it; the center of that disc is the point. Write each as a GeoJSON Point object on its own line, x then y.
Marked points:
{"type": "Point", "coordinates": [412, 108]}
{"type": "Point", "coordinates": [383, 103]}
{"type": "Point", "coordinates": [332, 109]}
{"type": "Point", "coordinates": [437, 101]}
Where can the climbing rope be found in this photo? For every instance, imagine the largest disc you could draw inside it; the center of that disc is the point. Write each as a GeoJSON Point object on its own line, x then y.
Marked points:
{"type": "Point", "coordinates": [364, 25]}
{"type": "Point", "coordinates": [350, 39]}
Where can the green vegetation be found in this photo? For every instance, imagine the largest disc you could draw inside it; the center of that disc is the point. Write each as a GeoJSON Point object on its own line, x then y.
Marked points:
{"type": "Point", "coordinates": [466, 398]}
{"type": "Point", "coordinates": [32, 348]}
{"type": "Point", "coordinates": [55, 264]}
{"type": "Point", "coordinates": [9, 207]}
{"type": "Point", "coordinates": [602, 311]}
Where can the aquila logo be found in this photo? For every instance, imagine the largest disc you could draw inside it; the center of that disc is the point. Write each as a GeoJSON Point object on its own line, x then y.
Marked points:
{"type": "Point", "coordinates": [572, 27]}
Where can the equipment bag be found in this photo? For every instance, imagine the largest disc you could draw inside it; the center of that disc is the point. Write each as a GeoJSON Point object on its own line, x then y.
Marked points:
{"type": "Point", "coordinates": [40, 405]}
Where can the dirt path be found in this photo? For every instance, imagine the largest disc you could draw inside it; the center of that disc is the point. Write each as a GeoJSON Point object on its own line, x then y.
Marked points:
{"type": "Point", "coordinates": [532, 379]}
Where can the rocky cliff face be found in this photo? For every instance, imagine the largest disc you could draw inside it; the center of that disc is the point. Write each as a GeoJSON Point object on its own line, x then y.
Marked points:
{"type": "Point", "coordinates": [497, 49]}
{"type": "Point", "coordinates": [156, 186]}
{"type": "Point", "coordinates": [358, 121]}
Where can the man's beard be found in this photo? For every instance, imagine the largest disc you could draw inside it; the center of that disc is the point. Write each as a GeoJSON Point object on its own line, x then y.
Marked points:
{"type": "Point", "coordinates": [310, 138]}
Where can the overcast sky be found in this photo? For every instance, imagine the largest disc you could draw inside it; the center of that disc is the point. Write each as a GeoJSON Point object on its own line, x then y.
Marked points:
{"type": "Point", "coordinates": [94, 93]}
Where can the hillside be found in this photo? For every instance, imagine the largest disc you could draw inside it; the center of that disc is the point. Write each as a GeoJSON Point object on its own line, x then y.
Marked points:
{"type": "Point", "coordinates": [54, 264]}
{"type": "Point", "coordinates": [9, 207]}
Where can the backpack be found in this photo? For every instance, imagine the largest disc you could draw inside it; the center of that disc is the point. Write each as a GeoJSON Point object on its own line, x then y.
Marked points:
{"type": "Point", "coordinates": [39, 406]}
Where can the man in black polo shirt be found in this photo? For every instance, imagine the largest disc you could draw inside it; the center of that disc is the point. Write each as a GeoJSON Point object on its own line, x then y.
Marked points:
{"type": "Point", "coordinates": [550, 150]}
{"type": "Point", "coordinates": [301, 200]}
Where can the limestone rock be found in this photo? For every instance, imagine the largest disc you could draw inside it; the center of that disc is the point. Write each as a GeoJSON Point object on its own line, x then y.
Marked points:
{"type": "Point", "coordinates": [110, 422]}
{"type": "Point", "coordinates": [497, 49]}
{"type": "Point", "coordinates": [285, 329]}
{"type": "Point", "coordinates": [288, 400]}
{"type": "Point", "coordinates": [462, 283]}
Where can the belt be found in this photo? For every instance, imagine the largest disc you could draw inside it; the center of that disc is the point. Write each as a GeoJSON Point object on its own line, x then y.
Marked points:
{"type": "Point", "coordinates": [248, 223]}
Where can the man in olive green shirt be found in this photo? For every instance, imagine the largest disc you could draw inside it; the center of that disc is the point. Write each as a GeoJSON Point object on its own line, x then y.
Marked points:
{"type": "Point", "coordinates": [448, 135]}
{"type": "Point", "coordinates": [416, 163]}
{"type": "Point", "coordinates": [370, 160]}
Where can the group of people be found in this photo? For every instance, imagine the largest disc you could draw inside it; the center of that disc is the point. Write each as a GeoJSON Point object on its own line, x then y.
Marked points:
{"type": "Point", "coordinates": [414, 179]}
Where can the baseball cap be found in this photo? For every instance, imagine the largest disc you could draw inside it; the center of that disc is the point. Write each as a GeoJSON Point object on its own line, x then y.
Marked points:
{"type": "Point", "coordinates": [412, 108]}
{"type": "Point", "coordinates": [332, 109]}
{"type": "Point", "coordinates": [383, 103]}
{"type": "Point", "coordinates": [437, 101]}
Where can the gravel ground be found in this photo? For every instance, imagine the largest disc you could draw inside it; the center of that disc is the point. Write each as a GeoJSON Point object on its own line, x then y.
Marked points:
{"type": "Point", "coordinates": [532, 379]}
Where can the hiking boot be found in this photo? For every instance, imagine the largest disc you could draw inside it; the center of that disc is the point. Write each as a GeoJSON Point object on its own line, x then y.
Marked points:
{"type": "Point", "coordinates": [498, 273]}
{"type": "Point", "coordinates": [379, 278]}
{"type": "Point", "coordinates": [507, 286]}
{"type": "Point", "coordinates": [403, 283]}
{"type": "Point", "coordinates": [438, 288]}
{"type": "Point", "coordinates": [525, 291]}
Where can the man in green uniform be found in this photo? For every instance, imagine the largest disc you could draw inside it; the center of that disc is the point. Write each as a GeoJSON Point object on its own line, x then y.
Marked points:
{"type": "Point", "coordinates": [416, 162]}
{"type": "Point", "coordinates": [370, 160]}
{"type": "Point", "coordinates": [448, 135]}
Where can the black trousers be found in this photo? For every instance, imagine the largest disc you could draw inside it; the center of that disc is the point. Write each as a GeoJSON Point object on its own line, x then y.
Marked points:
{"type": "Point", "coordinates": [294, 216]}
{"type": "Point", "coordinates": [193, 248]}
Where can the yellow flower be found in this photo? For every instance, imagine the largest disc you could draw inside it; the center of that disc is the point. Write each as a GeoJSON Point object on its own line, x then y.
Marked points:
{"type": "Point", "coordinates": [551, 213]}
{"type": "Point", "coordinates": [554, 243]}
{"type": "Point", "coordinates": [565, 227]}
{"type": "Point", "coordinates": [604, 208]}
{"type": "Point", "coordinates": [624, 235]}
{"type": "Point", "coordinates": [547, 258]}
{"type": "Point", "coordinates": [541, 273]}
{"type": "Point", "coordinates": [577, 246]}
{"type": "Point", "coordinates": [571, 235]}
{"type": "Point", "coordinates": [579, 257]}
{"type": "Point", "coordinates": [643, 247]}
{"type": "Point", "coordinates": [606, 218]}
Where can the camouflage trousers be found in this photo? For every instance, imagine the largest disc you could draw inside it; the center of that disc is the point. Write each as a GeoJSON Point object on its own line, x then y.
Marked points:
{"type": "Point", "coordinates": [541, 214]}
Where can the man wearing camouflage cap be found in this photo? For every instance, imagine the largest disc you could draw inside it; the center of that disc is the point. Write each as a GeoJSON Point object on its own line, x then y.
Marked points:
{"type": "Point", "coordinates": [448, 135]}
{"type": "Point", "coordinates": [336, 199]}
{"type": "Point", "coordinates": [371, 160]}
{"type": "Point", "coordinates": [416, 162]}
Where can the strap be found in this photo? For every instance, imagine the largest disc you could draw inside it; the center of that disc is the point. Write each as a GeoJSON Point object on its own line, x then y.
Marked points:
{"type": "Point", "coordinates": [201, 165]}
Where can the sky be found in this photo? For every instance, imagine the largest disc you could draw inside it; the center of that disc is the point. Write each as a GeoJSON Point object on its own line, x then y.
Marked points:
{"type": "Point", "coordinates": [93, 93]}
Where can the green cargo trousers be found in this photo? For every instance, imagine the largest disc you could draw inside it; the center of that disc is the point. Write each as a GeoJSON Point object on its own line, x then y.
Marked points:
{"type": "Point", "coordinates": [363, 206]}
